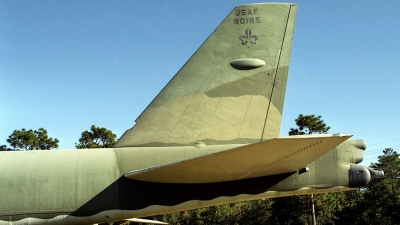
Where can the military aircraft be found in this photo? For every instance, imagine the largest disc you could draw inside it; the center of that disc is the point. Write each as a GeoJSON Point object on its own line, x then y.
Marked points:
{"type": "Point", "coordinates": [209, 137]}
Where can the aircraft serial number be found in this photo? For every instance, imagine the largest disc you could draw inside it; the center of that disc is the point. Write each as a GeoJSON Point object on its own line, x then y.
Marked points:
{"type": "Point", "coordinates": [247, 20]}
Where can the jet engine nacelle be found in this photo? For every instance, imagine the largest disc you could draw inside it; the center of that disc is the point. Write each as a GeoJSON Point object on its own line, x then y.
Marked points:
{"type": "Point", "coordinates": [337, 170]}
{"type": "Point", "coordinates": [360, 176]}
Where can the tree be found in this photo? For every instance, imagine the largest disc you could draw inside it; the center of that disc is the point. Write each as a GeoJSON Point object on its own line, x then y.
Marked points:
{"type": "Point", "coordinates": [291, 210]}
{"type": "Point", "coordinates": [309, 124]}
{"type": "Point", "coordinates": [382, 198]}
{"type": "Point", "coordinates": [97, 137]}
{"type": "Point", "coordinates": [353, 211]}
{"type": "Point", "coordinates": [248, 212]}
{"type": "Point", "coordinates": [390, 163]}
{"type": "Point", "coordinates": [32, 140]}
{"type": "Point", "coordinates": [5, 148]}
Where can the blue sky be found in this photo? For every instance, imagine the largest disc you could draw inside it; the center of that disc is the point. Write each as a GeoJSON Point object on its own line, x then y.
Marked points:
{"type": "Point", "coordinates": [65, 65]}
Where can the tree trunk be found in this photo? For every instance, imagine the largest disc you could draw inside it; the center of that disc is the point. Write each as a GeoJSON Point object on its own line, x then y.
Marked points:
{"type": "Point", "coordinates": [313, 210]}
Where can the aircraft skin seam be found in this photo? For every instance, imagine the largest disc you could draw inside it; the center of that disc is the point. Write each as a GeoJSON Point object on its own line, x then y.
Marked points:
{"type": "Point", "coordinates": [211, 74]}
{"type": "Point", "coordinates": [276, 73]}
{"type": "Point", "coordinates": [180, 116]}
{"type": "Point", "coordinates": [183, 112]}
{"type": "Point", "coordinates": [247, 111]}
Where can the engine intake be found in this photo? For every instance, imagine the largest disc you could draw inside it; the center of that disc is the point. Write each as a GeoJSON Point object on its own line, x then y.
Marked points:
{"type": "Point", "coordinates": [359, 176]}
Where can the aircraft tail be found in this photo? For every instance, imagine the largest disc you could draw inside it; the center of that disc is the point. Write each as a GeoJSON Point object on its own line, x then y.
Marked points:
{"type": "Point", "coordinates": [231, 90]}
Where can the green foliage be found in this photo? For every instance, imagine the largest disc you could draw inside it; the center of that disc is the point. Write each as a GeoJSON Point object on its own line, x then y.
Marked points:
{"type": "Point", "coordinates": [5, 148]}
{"type": "Point", "coordinates": [352, 211]}
{"type": "Point", "coordinates": [255, 212]}
{"type": "Point", "coordinates": [328, 205]}
{"type": "Point", "coordinates": [221, 214]}
{"type": "Point", "coordinates": [298, 209]}
{"type": "Point", "coordinates": [97, 137]}
{"type": "Point", "coordinates": [383, 197]}
{"type": "Point", "coordinates": [250, 212]}
{"type": "Point", "coordinates": [31, 140]}
{"type": "Point", "coordinates": [309, 124]}
{"type": "Point", "coordinates": [291, 210]}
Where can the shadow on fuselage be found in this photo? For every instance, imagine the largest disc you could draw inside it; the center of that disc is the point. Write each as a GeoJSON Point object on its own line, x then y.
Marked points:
{"type": "Point", "coordinates": [128, 194]}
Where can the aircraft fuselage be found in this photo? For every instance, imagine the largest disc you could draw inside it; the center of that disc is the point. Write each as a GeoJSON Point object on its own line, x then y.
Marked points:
{"type": "Point", "coordinates": [88, 186]}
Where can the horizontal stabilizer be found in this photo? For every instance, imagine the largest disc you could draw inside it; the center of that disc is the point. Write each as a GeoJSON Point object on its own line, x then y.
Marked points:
{"type": "Point", "coordinates": [275, 156]}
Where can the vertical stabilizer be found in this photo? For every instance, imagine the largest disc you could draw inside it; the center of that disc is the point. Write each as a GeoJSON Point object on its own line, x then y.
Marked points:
{"type": "Point", "coordinates": [231, 90]}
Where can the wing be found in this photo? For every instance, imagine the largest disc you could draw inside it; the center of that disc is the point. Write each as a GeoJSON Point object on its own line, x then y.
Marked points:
{"type": "Point", "coordinates": [275, 156]}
